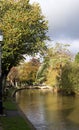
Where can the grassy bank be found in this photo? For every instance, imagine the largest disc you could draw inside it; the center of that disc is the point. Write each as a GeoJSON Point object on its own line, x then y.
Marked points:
{"type": "Point", "coordinates": [10, 121]}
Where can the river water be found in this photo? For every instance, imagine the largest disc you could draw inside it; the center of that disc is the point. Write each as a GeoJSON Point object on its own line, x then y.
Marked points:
{"type": "Point", "coordinates": [49, 111]}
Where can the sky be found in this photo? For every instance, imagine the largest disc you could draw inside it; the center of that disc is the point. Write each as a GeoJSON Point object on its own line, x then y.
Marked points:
{"type": "Point", "coordinates": [63, 21]}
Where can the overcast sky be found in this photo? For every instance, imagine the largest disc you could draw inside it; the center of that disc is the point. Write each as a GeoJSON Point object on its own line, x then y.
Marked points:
{"type": "Point", "coordinates": [63, 19]}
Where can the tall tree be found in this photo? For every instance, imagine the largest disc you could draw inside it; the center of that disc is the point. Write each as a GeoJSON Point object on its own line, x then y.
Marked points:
{"type": "Point", "coordinates": [24, 29]}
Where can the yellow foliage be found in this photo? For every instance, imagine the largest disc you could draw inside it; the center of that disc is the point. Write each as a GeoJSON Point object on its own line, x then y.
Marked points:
{"type": "Point", "coordinates": [51, 76]}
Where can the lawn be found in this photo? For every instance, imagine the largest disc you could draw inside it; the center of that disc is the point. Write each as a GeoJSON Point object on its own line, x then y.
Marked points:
{"type": "Point", "coordinates": [16, 122]}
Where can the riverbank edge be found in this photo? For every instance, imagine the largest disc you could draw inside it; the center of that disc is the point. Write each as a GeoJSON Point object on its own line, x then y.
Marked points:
{"type": "Point", "coordinates": [18, 89]}
{"type": "Point", "coordinates": [54, 90]}
{"type": "Point", "coordinates": [20, 111]}
{"type": "Point", "coordinates": [24, 117]}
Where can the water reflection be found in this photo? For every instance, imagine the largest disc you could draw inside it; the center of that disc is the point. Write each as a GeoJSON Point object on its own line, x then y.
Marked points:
{"type": "Point", "coordinates": [48, 111]}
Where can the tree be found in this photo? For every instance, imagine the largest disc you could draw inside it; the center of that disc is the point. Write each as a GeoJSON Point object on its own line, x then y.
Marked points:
{"type": "Point", "coordinates": [13, 76]}
{"type": "Point", "coordinates": [69, 82]}
{"type": "Point", "coordinates": [77, 58]}
{"type": "Point", "coordinates": [41, 73]}
{"type": "Point", "coordinates": [27, 71]}
{"type": "Point", "coordinates": [74, 76]}
{"type": "Point", "coordinates": [24, 29]}
{"type": "Point", "coordinates": [65, 83]}
{"type": "Point", "coordinates": [54, 59]}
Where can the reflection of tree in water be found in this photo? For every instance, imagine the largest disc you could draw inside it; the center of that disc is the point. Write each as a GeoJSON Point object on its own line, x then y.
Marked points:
{"type": "Point", "coordinates": [74, 115]}
{"type": "Point", "coordinates": [59, 114]}
{"type": "Point", "coordinates": [53, 112]}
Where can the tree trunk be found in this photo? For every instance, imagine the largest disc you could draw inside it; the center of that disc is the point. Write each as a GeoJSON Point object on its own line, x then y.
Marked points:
{"type": "Point", "coordinates": [4, 78]}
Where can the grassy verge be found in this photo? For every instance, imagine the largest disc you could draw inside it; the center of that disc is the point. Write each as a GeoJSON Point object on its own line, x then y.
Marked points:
{"type": "Point", "coordinates": [13, 122]}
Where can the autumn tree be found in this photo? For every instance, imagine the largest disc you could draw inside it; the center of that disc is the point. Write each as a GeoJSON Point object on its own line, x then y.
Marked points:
{"type": "Point", "coordinates": [13, 76]}
{"type": "Point", "coordinates": [27, 71]}
{"type": "Point", "coordinates": [56, 57]}
{"type": "Point", "coordinates": [24, 29]}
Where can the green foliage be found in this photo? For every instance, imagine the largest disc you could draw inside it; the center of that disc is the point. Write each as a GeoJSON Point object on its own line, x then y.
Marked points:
{"type": "Point", "coordinates": [74, 77]}
{"type": "Point", "coordinates": [77, 58]}
{"type": "Point", "coordinates": [54, 58]}
{"type": "Point", "coordinates": [69, 78]}
{"type": "Point", "coordinates": [64, 78]}
{"type": "Point", "coordinates": [24, 29]}
{"type": "Point", "coordinates": [41, 73]}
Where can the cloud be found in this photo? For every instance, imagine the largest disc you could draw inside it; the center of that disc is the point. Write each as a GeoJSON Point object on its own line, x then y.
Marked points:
{"type": "Point", "coordinates": [63, 18]}
{"type": "Point", "coordinates": [74, 45]}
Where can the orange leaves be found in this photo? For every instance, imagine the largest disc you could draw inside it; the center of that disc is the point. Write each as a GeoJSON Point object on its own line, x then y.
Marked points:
{"type": "Point", "coordinates": [27, 71]}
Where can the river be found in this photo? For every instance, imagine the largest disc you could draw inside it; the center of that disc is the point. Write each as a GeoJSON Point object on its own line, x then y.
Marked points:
{"type": "Point", "coordinates": [49, 111]}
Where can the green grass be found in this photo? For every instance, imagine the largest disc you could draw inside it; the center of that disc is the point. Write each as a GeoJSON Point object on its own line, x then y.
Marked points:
{"type": "Point", "coordinates": [9, 105]}
{"type": "Point", "coordinates": [13, 122]}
